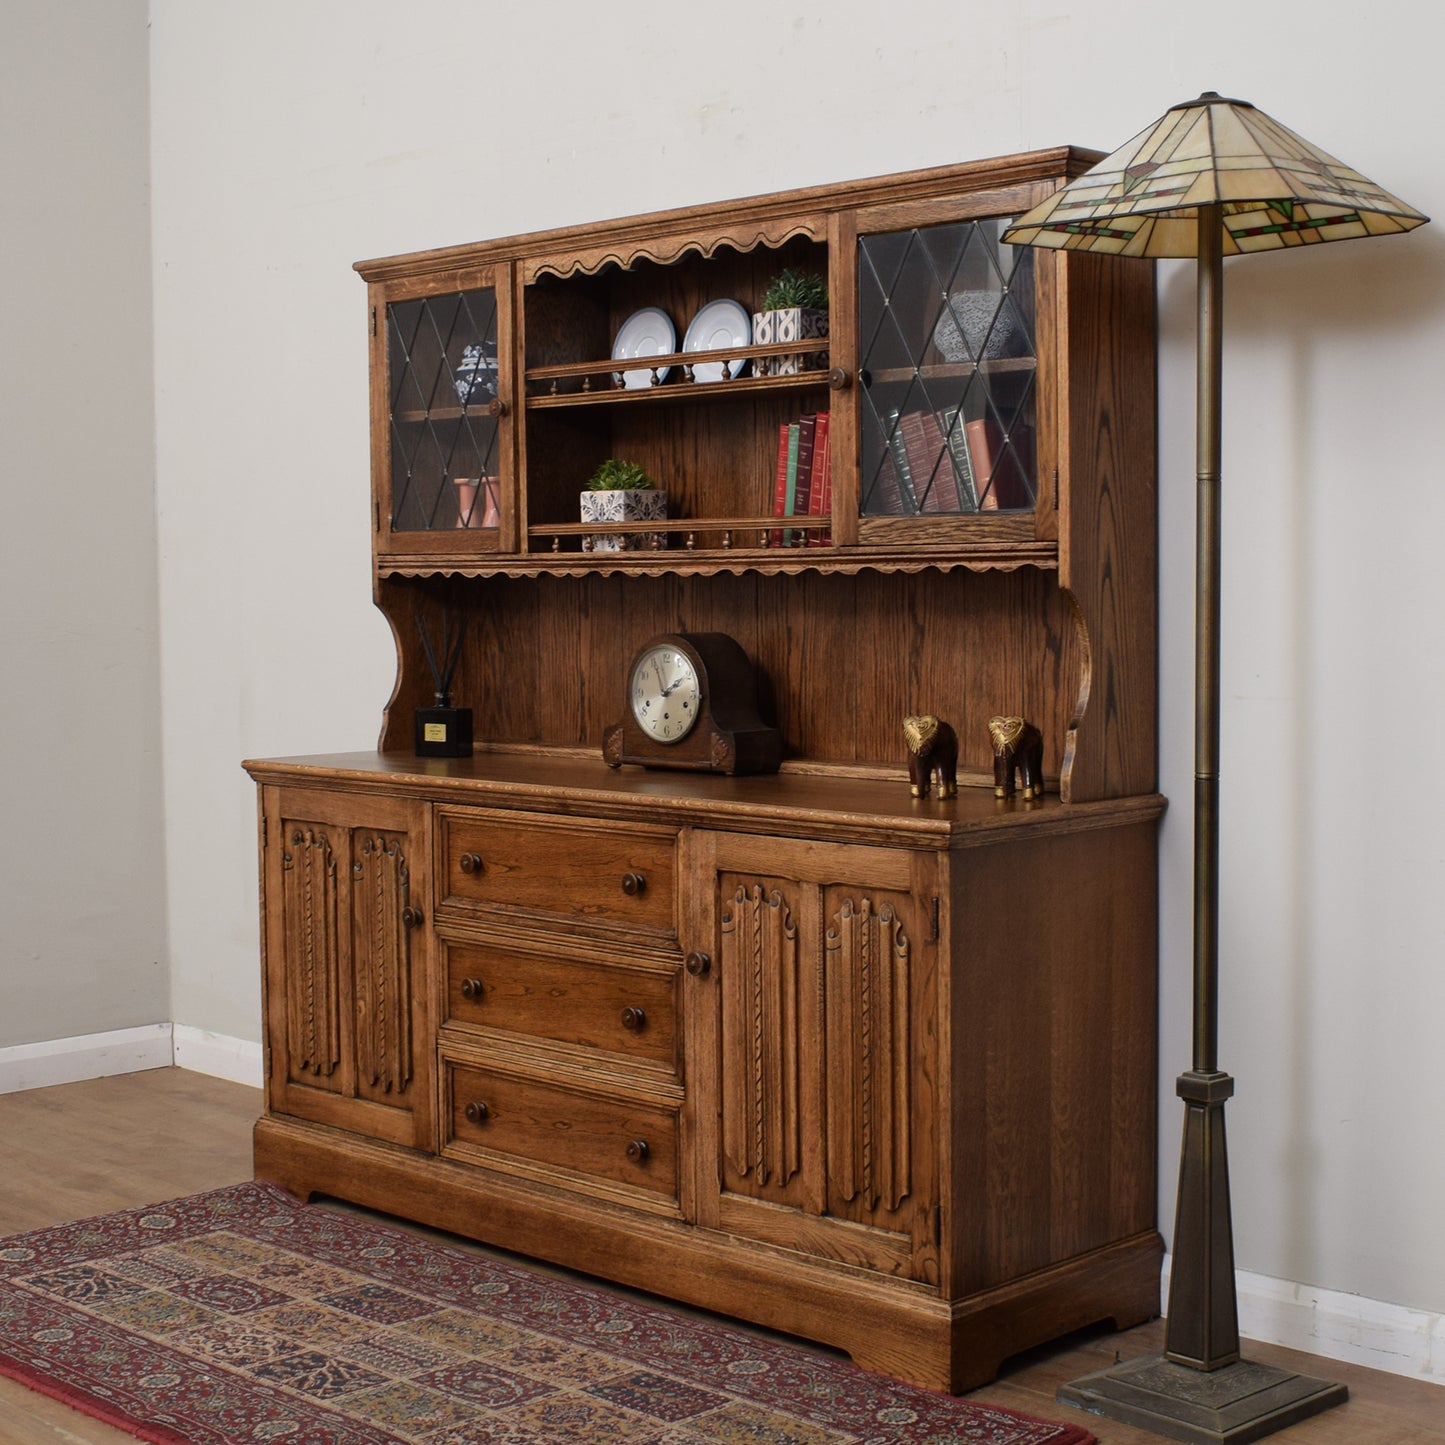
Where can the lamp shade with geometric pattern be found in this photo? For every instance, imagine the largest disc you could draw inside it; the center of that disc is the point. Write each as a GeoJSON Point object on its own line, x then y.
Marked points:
{"type": "Point", "coordinates": [1274, 188]}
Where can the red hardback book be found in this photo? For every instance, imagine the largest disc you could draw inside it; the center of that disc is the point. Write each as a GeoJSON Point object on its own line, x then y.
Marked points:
{"type": "Point", "coordinates": [999, 475]}
{"type": "Point", "coordinates": [820, 483]}
{"type": "Point", "coordinates": [780, 486]}
{"type": "Point", "coordinates": [929, 463]}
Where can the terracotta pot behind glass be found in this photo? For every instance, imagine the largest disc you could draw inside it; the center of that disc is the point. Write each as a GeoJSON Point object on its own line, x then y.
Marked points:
{"type": "Point", "coordinates": [477, 501]}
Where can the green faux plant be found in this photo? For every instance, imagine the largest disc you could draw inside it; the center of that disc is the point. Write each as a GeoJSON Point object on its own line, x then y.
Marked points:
{"type": "Point", "coordinates": [616, 476]}
{"type": "Point", "coordinates": [796, 288]}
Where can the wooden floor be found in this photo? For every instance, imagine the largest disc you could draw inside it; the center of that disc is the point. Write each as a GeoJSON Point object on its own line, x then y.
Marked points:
{"type": "Point", "coordinates": [90, 1148]}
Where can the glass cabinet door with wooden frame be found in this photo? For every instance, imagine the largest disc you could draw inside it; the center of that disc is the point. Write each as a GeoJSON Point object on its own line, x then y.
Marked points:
{"type": "Point", "coordinates": [441, 415]}
{"type": "Point", "coordinates": [953, 340]}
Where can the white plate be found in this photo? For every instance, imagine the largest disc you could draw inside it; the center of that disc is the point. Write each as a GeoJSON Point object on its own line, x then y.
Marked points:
{"type": "Point", "coordinates": [648, 332]}
{"type": "Point", "coordinates": [718, 324]}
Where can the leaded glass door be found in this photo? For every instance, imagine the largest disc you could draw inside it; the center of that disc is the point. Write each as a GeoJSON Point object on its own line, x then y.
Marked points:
{"type": "Point", "coordinates": [948, 349]}
{"type": "Point", "coordinates": [444, 451]}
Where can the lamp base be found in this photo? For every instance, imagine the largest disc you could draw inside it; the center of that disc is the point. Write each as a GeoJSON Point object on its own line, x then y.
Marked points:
{"type": "Point", "coordinates": [1239, 1402]}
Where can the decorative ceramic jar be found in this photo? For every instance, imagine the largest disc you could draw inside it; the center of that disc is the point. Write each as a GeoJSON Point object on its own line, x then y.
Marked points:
{"type": "Point", "coordinates": [795, 323]}
{"type": "Point", "coordinates": [476, 377]}
{"type": "Point", "coordinates": [624, 505]}
{"type": "Point", "coordinates": [978, 326]}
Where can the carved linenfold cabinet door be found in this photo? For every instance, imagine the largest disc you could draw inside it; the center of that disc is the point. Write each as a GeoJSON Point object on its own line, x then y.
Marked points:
{"type": "Point", "coordinates": [824, 1028]}
{"type": "Point", "coordinates": [344, 878]}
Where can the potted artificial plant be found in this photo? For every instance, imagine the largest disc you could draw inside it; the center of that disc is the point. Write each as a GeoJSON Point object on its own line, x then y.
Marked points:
{"type": "Point", "coordinates": [621, 491]}
{"type": "Point", "coordinates": [795, 308]}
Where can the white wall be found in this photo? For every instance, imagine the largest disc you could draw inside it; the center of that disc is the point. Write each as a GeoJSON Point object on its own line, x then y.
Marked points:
{"type": "Point", "coordinates": [82, 936]}
{"type": "Point", "coordinates": [292, 138]}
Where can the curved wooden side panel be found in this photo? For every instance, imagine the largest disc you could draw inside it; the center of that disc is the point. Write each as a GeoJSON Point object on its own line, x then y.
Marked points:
{"type": "Point", "coordinates": [1108, 540]}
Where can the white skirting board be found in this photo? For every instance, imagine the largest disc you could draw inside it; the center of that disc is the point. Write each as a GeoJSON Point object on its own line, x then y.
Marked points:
{"type": "Point", "coordinates": [128, 1051]}
{"type": "Point", "coordinates": [1318, 1321]}
{"type": "Point", "coordinates": [238, 1060]}
{"type": "Point", "coordinates": [1337, 1326]}
{"type": "Point", "coordinates": [87, 1056]}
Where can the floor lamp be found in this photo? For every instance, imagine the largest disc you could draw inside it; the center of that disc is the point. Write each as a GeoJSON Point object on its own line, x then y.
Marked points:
{"type": "Point", "coordinates": [1211, 178]}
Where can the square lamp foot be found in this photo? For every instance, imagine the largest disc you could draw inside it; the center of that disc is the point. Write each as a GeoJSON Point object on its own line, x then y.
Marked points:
{"type": "Point", "coordinates": [1229, 1406]}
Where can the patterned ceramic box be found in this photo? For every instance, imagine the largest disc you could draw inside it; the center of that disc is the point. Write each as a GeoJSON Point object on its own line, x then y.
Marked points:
{"type": "Point", "coordinates": [624, 506]}
{"type": "Point", "coordinates": [797, 323]}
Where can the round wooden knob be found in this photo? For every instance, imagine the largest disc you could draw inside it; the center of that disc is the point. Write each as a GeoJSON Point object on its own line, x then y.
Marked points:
{"type": "Point", "coordinates": [470, 863]}
{"type": "Point", "coordinates": [472, 988]}
{"type": "Point", "coordinates": [838, 379]}
{"type": "Point", "coordinates": [697, 964]}
{"type": "Point", "coordinates": [411, 917]}
{"type": "Point", "coordinates": [477, 1112]}
{"type": "Point", "coordinates": [637, 1151]}
{"type": "Point", "coordinates": [633, 884]}
{"type": "Point", "coordinates": [634, 1019]}
{"type": "Point", "coordinates": [496, 407]}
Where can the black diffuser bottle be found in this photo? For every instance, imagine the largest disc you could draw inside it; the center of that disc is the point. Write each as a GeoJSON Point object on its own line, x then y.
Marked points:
{"type": "Point", "coordinates": [443, 731]}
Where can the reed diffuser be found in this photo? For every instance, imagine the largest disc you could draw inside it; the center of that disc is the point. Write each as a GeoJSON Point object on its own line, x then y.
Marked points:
{"type": "Point", "coordinates": [443, 731]}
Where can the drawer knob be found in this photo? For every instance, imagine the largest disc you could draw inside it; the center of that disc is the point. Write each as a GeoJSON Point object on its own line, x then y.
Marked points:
{"type": "Point", "coordinates": [697, 964]}
{"type": "Point", "coordinates": [471, 863]}
{"type": "Point", "coordinates": [637, 1151]}
{"type": "Point", "coordinates": [477, 1112]}
{"type": "Point", "coordinates": [411, 917]}
{"type": "Point", "coordinates": [634, 1019]}
{"type": "Point", "coordinates": [633, 884]}
{"type": "Point", "coordinates": [472, 988]}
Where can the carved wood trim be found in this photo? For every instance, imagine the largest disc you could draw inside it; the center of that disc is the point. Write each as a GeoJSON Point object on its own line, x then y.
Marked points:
{"type": "Point", "coordinates": [382, 965]}
{"type": "Point", "coordinates": [762, 1099]}
{"type": "Point", "coordinates": [309, 908]}
{"type": "Point", "coordinates": [866, 988]}
{"type": "Point", "coordinates": [664, 250]}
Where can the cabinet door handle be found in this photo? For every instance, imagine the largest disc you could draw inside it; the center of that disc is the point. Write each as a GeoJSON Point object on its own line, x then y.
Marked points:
{"type": "Point", "coordinates": [633, 884]}
{"type": "Point", "coordinates": [634, 1019]}
{"type": "Point", "coordinates": [496, 407]}
{"type": "Point", "coordinates": [697, 964]}
{"type": "Point", "coordinates": [838, 379]}
{"type": "Point", "coordinates": [470, 863]}
{"type": "Point", "coordinates": [477, 1112]}
{"type": "Point", "coordinates": [472, 988]}
{"type": "Point", "coordinates": [638, 1151]}
{"type": "Point", "coordinates": [411, 917]}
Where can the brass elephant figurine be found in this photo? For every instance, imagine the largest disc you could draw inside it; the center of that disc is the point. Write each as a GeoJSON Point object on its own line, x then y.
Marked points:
{"type": "Point", "coordinates": [1018, 746]}
{"type": "Point", "coordinates": [932, 755]}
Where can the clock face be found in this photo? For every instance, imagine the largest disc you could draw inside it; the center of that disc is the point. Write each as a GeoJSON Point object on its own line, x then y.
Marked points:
{"type": "Point", "coordinates": [664, 693]}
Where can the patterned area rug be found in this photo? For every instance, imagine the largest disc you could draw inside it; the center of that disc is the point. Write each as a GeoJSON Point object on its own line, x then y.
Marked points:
{"type": "Point", "coordinates": [242, 1316]}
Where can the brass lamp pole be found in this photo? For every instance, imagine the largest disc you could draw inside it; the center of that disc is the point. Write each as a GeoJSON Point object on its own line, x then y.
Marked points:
{"type": "Point", "coordinates": [1211, 178]}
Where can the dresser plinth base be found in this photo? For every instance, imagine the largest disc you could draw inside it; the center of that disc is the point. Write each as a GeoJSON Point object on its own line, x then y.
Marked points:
{"type": "Point", "coordinates": [892, 1326]}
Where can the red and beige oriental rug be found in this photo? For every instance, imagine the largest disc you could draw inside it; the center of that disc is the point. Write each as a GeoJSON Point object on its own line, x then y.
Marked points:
{"type": "Point", "coordinates": [243, 1316]}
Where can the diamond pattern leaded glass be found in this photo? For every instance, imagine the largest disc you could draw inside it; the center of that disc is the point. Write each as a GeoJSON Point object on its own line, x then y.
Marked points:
{"type": "Point", "coordinates": [443, 355]}
{"type": "Point", "coordinates": [947, 364]}
{"type": "Point", "coordinates": [1275, 190]}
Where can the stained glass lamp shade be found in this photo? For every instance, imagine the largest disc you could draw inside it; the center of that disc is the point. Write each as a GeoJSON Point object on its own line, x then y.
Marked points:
{"type": "Point", "coordinates": [1275, 190]}
{"type": "Point", "coordinates": [1211, 178]}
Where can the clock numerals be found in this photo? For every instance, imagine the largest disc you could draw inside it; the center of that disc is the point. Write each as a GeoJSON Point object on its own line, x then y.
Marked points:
{"type": "Point", "coordinates": [665, 695]}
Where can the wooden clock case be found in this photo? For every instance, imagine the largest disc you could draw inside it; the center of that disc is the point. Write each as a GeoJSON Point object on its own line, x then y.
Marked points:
{"type": "Point", "coordinates": [728, 736]}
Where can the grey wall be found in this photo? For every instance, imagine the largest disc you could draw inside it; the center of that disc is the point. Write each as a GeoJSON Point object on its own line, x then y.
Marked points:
{"type": "Point", "coordinates": [82, 857]}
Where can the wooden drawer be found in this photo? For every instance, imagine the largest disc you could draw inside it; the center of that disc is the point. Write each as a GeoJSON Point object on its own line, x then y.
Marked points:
{"type": "Point", "coordinates": [627, 1010]}
{"type": "Point", "coordinates": [613, 876]}
{"type": "Point", "coordinates": [628, 1141]}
